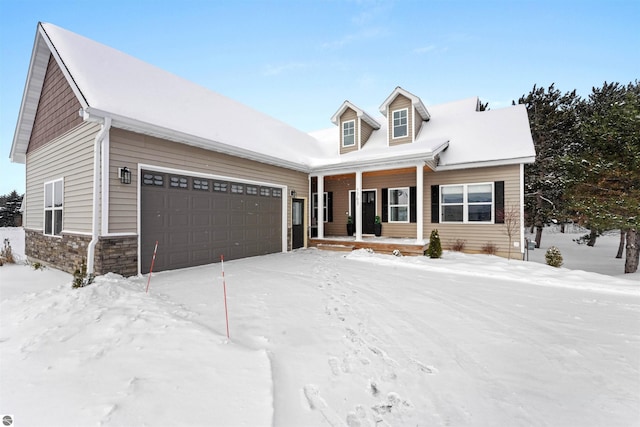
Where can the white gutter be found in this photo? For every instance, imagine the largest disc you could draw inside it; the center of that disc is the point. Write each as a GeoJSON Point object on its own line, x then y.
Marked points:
{"type": "Point", "coordinates": [126, 123]}
{"type": "Point", "coordinates": [98, 148]}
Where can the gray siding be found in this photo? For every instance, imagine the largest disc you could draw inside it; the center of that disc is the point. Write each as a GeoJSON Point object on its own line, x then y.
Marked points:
{"type": "Point", "coordinates": [130, 149]}
{"type": "Point", "coordinates": [69, 157]}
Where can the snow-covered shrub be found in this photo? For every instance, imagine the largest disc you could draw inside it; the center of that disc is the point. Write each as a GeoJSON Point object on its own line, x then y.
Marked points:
{"type": "Point", "coordinates": [553, 257]}
{"type": "Point", "coordinates": [80, 277]}
{"type": "Point", "coordinates": [6, 254]}
{"type": "Point", "coordinates": [489, 249]}
{"type": "Point", "coordinates": [435, 247]}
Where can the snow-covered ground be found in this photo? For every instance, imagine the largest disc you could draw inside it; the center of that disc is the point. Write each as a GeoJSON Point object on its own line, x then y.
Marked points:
{"type": "Point", "coordinates": [325, 338]}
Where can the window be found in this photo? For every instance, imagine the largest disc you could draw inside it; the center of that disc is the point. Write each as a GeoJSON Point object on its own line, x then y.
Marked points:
{"type": "Point", "coordinates": [53, 208]}
{"type": "Point", "coordinates": [151, 179]}
{"type": "Point", "coordinates": [348, 133]}
{"type": "Point", "coordinates": [325, 209]}
{"type": "Point", "coordinates": [467, 202]}
{"type": "Point", "coordinates": [252, 190]}
{"type": "Point", "coordinates": [265, 191]}
{"type": "Point", "coordinates": [178, 182]}
{"type": "Point", "coordinates": [400, 125]}
{"type": "Point", "coordinates": [399, 204]}
{"type": "Point", "coordinates": [237, 188]}
{"type": "Point", "coordinates": [276, 192]}
{"type": "Point", "coordinates": [200, 184]}
{"type": "Point", "coordinates": [220, 186]}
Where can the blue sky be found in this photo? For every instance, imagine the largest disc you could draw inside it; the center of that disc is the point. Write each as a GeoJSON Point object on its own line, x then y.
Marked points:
{"type": "Point", "coordinates": [299, 60]}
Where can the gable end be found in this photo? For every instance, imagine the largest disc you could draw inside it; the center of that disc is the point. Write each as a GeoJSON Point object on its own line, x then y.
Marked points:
{"type": "Point", "coordinates": [401, 103]}
{"type": "Point", "coordinates": [58, 107]}
{"type": "Point", "coordinates": [349, 115]}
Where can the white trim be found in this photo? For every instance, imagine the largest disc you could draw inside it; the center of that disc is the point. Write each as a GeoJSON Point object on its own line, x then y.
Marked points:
{"type": "Point", "coordinates": [97, 161]}
{"type": "Point", "coordinates": [133, 125]}
{"type": "Point", "coordinates": [320, 218]}
{"type": "Point", "coordinates": [419, 204]}
{"type": "Point", "coordinates": [106, 143]}
{"type": "Point", "coordinates": [521, 186]}
{"type": "Point", "coordinates": [393, 127]}
{"type": "Point", "coordinates": [53, 207]}
{"type": "Point", "coordinates": [354, 133]}
{"type": "Point", "coordinates": [488, 163]}
{"type": "Point", "coordinates": [358, 206]}
{"type": "Point", "coordinates": [75, 233]}
{"type": "Point", "coordinates": [119, 235]}
{"type": "Point", "coordinates": [465, 203]}
{"type": "Point", "coordinates": [313, 207]}
{"type": "Point", "coordinates": [63, 67]}
{"type": "Point", "coordinates": [285, 198]}
{"type": "Point", "coordinates": [408, 205]}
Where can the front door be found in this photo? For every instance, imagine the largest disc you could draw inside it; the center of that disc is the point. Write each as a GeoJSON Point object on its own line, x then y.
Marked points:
{"type": "Point", "coordinates": [297, 223]}
{"type": "Point", "coordinates": [368, 210]}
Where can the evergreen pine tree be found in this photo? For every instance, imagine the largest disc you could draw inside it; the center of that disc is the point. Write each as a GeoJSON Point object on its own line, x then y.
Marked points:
{"type": "Point", "coordinates": [435, 248]}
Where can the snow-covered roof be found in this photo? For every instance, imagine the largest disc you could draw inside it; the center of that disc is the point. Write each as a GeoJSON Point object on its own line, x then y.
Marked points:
{"type": "Point", "coordinates": [457, 136]}
{"type": "Point", "coordinates": [143, 98]}
{"type": "Point", "coordinates": [415, 101]}
{"type": "Point", "coordinates": [335, 119]}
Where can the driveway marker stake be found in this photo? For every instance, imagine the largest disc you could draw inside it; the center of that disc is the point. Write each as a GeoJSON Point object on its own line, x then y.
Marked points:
{"type": "Point", "coordinates": [153, 261]}
{"type": "Point", "coordinates": [224, 286]}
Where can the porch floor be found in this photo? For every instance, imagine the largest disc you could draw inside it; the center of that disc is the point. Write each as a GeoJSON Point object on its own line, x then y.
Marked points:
{"type": "Point", "coordinates": [382, 245]}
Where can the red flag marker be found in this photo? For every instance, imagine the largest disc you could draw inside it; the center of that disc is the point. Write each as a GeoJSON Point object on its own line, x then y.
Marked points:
{"type": "Point", "coordinates": [153, 261]}
{"type": "Point", "coordinates": [224, 286]}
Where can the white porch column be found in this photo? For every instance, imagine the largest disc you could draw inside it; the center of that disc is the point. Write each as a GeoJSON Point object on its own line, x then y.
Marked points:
{"type": "Point", "coordinates": [320, 186]}
{"type": "Point", "coordinates": [358, 214]}
{"type": "Point", "coordinates": [420, 204]}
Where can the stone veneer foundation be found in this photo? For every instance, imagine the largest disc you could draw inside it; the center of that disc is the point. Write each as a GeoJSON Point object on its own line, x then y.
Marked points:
{"type": "Point", "coordinates": [117, 255]}
{"type": "Point", "coordinates": [113, 254]}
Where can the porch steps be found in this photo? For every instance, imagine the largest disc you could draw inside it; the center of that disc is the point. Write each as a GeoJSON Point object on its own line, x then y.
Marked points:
{"type": "Point", "coordinates": [380, 247]}
{"type": "Point", "coordinates": [339, 248]}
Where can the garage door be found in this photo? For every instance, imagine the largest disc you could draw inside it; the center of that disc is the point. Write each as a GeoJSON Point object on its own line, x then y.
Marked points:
{"type": "Point", "coordinates": [195, 220]}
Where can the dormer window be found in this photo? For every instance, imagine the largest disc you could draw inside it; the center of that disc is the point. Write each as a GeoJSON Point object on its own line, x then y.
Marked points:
{"type": "Point", "coordinates": [400, 124]}
{"type": "Point", "coordinates": [348, 133]}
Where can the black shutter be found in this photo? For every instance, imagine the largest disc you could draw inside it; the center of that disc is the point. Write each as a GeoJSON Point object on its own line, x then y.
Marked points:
{"type": "Point", "coordinates": [435, 203]}
{"type": "Point", "coordinates": [329, 206]}
{"type": "Point", "coordinates": [499, 202]}
{"type": "Point", "coordinates": [385, 205]}
{"type": "Point", "coordinates": [412, 204]}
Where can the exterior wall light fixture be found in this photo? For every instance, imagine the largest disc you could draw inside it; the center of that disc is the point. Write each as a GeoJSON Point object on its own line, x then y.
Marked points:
{"type": "Point", "coordinates": [125, 175]}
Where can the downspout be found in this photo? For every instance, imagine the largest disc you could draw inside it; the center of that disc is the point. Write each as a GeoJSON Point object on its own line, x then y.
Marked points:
{"type": "Point", "coordinates": [95, 223]}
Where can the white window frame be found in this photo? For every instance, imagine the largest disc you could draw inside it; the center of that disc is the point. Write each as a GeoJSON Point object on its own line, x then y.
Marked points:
{"type": "Point", "coordinates": [406, 123]}
{"type": "Point", "coordinates": [352, 134]}
{"type": "Point", "coordinates": [465, 203]}
{"type": "Point", "coordinates": [51, 187]}
{"type": "Point", "coordinates": [325, 208]}
{"type": "Point", "coordinates": [391, 206]}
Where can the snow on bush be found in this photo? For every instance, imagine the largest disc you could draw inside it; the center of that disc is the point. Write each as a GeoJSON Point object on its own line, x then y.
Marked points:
{"type": "Point", "coordinates": [553, 257]}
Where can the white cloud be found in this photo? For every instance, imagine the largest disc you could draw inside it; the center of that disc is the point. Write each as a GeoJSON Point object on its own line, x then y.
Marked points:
{"type": "Point", "coordinates": [365, 34]}
{"type": "Point", "coordinates": [274, 70]}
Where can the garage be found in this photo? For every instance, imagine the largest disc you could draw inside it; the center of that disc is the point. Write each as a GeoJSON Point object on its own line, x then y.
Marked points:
{"type": "Point", "coordinates": [195, 220]}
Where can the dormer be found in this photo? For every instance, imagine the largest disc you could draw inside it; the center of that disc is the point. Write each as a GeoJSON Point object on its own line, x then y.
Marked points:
{"type": "Point", "coordinates": [355, 127]}
{"type": "Point", "coordinates": [405, 114]}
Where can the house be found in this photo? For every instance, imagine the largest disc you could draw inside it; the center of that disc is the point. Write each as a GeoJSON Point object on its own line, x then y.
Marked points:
{"type": "Point", "coordinates": [120, 155]}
